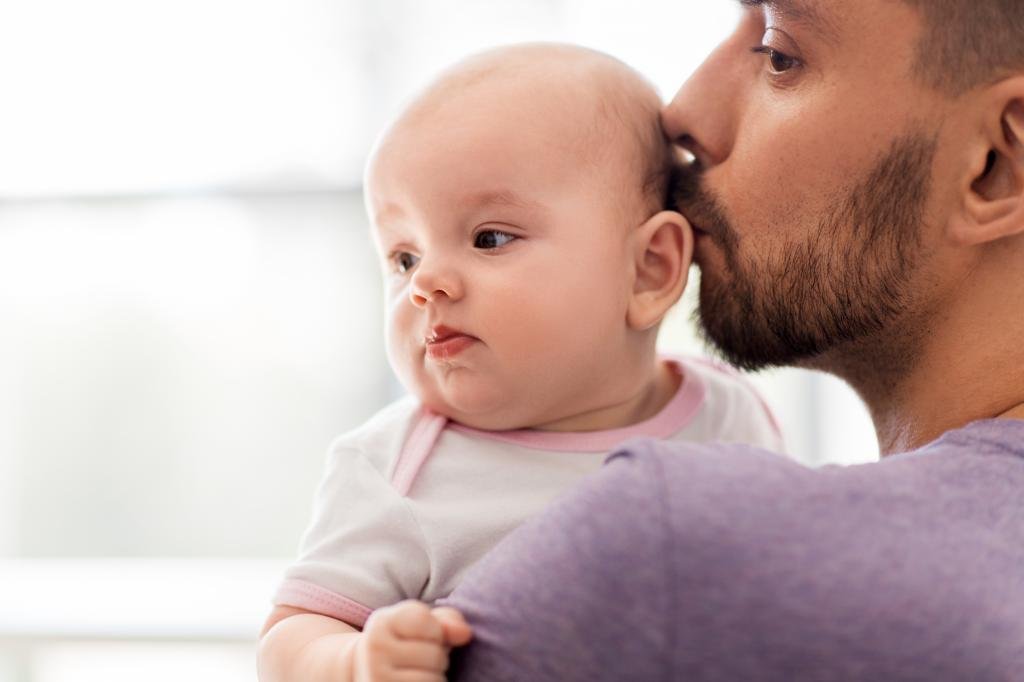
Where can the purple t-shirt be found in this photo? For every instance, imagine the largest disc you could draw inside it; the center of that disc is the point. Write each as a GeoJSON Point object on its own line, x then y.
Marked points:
{"type": "Point", "coordinates": [724, 562]}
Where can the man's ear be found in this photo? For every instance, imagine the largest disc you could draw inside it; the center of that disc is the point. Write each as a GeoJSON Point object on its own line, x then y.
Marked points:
{"type": "Point", "coordinates": [993, 205]}
{"type": "Point", "coordinates": [664, 250]}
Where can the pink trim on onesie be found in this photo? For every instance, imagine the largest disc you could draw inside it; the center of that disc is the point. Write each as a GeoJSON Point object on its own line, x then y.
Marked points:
{"type": "Point", "coordinates": [417, 447]}
{"type": "Point", "coordinates": [312, 597]}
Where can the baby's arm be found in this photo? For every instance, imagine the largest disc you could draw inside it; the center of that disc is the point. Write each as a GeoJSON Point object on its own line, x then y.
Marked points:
{"type": "Point", "coordinates": [409, 637]}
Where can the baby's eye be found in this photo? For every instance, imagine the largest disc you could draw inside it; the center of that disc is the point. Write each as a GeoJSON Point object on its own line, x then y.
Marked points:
{"type": "Point", "coordinates": [492, 239]}
{"type": "Point", "coordinates": [403, 261]}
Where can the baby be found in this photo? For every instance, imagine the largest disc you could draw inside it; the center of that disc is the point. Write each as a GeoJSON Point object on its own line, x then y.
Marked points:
{"type": "Point", "coordinates": [518, 209]}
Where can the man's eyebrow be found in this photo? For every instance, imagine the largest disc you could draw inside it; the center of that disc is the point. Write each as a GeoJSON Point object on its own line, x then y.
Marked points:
{"type": "Point", "coordinates": [800, 11]}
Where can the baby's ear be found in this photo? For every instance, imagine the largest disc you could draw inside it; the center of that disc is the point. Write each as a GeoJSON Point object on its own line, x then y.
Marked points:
{"type": "Point", "coordinates": [664, 249]}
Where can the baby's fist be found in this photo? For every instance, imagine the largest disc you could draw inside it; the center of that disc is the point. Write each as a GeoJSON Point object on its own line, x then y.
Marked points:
{"type": "Point", "coordinates": [409, 642]}
{"type": "Point", "coordinates": [456, 630]}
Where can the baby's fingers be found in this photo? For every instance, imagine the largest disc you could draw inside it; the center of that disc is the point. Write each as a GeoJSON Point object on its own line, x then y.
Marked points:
{"type": "Point", "coordinates": [414, 656]}
{"type": "Point", "coordinates": [413, 620]}
{"type": "Point", "coordinates": [456, 630]}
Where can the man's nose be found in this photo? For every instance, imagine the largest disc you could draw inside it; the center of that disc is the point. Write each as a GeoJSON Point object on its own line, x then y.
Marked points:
{"type": "Point", "coordinates": [434, 280]}
{"type": "Point", "coordinates": [702, 117]}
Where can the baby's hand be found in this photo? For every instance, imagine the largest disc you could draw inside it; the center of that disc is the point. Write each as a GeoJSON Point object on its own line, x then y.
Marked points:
{"type": "Point", "coordinates": [409, 642]}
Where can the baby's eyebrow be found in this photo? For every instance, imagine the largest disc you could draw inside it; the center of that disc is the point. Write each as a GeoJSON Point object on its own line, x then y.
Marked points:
{"type": "Point", "coordinates": [502, 197]}
{"type": "Point", "coordinates": [387, 214]}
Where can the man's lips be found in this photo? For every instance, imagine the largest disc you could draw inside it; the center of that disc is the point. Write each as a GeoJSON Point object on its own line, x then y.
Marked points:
{"type": "Point", "coordinates": [445, 342]}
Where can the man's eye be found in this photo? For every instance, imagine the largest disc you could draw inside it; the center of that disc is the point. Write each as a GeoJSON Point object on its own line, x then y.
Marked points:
{"type": "Point", "coordinates": [492, 239]}
{"type": "Point", "coordinates": [778, 62]}
{"type": "Point", "coordinates": [403, 261]}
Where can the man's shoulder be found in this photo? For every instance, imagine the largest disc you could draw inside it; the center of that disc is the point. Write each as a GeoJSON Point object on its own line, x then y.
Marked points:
{"type": "Point", "coordinates": [740, 559]}
{"type": "Point", "coordinates": [928, 543]}
{"type": "Point", "coordinates": [965, 473]}
{"type": "Point", "coordinates": [721, 466]}
{"type": "Point", "coordinates": [724, 561]}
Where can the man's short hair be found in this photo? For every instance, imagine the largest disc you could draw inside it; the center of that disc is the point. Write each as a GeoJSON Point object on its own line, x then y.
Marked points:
{"type": "Point", "coordinates": [967, 43]}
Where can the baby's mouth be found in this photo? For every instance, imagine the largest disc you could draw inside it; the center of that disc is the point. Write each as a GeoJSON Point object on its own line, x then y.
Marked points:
{"type": "Point", "coordinates": [441, 333]}
{"type": "Point", "coordinates": [444, 342]}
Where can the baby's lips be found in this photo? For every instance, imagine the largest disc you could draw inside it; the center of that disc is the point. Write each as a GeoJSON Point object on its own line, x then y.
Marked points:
{"type": "Point", "coordinates": [440, 332]}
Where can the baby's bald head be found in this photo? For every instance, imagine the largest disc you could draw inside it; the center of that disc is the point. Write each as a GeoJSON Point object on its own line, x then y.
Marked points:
{"type": "Point", "coordinates": [588, 104]}
{"type": "Point", "coordinates": [519, 199]}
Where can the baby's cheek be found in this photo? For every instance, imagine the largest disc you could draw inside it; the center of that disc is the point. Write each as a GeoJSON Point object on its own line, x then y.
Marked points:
{"type": "Point", "coordinates": [401, 348]}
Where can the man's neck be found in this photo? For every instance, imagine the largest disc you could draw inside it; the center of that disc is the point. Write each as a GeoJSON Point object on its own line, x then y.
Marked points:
{"type": "Point", "coordinates": [1014, 413]}
{"type": "Point", "coordinates": [904, 425]}
{"type": "Point", "coordinates": [967, 364]}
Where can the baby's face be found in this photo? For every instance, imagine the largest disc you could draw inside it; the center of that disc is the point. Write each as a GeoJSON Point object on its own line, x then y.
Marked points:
{"type": "Point", "coordinates": [507, 262]}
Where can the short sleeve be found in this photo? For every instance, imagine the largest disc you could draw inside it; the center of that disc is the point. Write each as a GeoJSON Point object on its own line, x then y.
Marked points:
{"type": "Point", "coordinates": [577, 593]}
{"type": "Point", "coordinates": [364, 548]}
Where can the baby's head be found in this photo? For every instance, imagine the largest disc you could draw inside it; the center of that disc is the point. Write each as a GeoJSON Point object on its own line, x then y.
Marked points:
{"type": "Point", "coordinates": [517, 205]}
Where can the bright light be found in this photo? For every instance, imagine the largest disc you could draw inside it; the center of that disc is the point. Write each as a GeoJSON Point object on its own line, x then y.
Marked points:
{"type": "Point", "coordinates": [123, 97]}
{"type": "Point", "coordinates": [118, 97]}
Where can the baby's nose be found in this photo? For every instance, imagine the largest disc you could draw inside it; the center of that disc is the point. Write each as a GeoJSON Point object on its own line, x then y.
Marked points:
{"type": "Point", "coordinates": [433, 281]}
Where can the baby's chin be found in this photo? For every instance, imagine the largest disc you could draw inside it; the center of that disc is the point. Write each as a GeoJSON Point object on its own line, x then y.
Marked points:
{"type": "Point", "coordinates": [484, 412]}
{"type": "Point", "coordinates": [499, 420]}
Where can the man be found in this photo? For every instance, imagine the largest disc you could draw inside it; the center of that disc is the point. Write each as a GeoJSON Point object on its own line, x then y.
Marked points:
{"type": "Point", "coordinates": [858, 190]}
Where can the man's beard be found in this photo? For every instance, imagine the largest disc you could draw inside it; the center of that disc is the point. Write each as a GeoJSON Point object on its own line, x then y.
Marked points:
{"type": "Point", "coordinates": [843, 284]}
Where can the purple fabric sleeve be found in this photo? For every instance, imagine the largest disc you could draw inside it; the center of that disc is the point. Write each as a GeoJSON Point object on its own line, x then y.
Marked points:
{"type": "Point", "coordinates": [724, 562]}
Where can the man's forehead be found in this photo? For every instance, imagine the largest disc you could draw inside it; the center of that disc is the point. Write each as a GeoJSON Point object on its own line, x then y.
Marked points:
{"type": "Point", "coordinates": [813, 13]}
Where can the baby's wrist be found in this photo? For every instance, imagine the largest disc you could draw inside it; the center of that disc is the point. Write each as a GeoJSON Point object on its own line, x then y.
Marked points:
{"type": "Point", "coordinates": [330, 658]}
{"type": "Point", "coordinates": [344, 661]}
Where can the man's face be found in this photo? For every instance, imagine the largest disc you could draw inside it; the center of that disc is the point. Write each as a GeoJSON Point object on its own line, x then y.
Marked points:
{"type": "Point", "coordinates": [812, 188]}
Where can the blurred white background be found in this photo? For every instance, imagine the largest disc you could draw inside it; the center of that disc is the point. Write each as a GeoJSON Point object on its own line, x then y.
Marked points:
{"type": "Point", "coordinates": [190, 307]}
